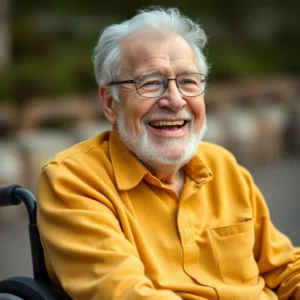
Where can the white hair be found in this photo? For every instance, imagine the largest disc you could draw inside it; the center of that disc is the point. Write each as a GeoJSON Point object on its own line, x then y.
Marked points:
{"type": "Point", "coordinates": [107, 56]}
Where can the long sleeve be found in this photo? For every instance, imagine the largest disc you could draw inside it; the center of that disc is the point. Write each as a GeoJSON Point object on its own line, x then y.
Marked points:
{"type": "Point", "coordinates": [85, 248]}
{"type": "Point", "coordinates": [278, 261]}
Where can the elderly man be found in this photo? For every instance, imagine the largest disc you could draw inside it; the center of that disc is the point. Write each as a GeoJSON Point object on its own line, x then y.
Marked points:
{"type": "Point", "coordinates": [147, 211]}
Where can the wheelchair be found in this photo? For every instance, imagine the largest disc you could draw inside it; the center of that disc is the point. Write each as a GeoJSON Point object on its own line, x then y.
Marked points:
{"type": "Point", "coordinates": [26, 288]}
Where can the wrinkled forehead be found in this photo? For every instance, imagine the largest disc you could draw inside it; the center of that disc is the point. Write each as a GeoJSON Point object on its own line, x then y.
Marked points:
{"type": "Point", "coordinates": [151, 47]}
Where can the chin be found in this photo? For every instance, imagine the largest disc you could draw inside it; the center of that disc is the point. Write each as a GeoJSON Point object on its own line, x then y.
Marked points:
{"type": "Point", "coordinates": [170, 153]}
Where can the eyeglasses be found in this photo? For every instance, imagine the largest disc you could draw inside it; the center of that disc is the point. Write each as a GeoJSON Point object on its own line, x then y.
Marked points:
{"type": "Point", "coordinates": [155, 85]}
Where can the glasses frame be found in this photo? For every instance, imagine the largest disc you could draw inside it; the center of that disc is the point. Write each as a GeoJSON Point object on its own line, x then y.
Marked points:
{"type": "Point", "coordinates": [205, 80]}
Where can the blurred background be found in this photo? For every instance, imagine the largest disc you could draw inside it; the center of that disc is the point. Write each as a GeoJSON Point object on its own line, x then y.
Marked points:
{"type": "Point", "coordinates": [48, 95]}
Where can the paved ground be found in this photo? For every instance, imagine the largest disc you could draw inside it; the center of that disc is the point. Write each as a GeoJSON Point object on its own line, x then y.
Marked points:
{"type": "Point", "coordinates": [279, 183]}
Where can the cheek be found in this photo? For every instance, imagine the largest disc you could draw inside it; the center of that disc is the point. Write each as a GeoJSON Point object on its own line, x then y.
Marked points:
{"type": "Point", "coordinates": [135, 109]}
{"type": "Point", "coordinates": [198, 108]}
{"type": "Point", "coordinates": [142, 109]}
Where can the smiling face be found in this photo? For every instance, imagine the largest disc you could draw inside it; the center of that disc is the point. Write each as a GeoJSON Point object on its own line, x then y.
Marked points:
{"type": "Point", "coordinates": [167, 129]}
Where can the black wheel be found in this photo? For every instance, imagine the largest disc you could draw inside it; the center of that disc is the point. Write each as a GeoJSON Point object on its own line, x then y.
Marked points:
{"type": "Point", "coordinates": [26, 288]}
{"type": "Point", "coordinates": [4, 296]}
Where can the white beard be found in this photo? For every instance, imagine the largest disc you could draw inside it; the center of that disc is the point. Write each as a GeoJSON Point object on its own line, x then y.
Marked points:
{"type": "Point", "coordinates": [151, 154]}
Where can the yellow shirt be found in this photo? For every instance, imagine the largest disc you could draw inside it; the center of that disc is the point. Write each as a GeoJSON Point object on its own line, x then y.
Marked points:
{"type": "Point", "coordinates": [111, 230]}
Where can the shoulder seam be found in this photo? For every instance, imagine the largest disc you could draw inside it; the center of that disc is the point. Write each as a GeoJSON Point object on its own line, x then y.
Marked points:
{"type": "Point", "coordinates": [63, 159]}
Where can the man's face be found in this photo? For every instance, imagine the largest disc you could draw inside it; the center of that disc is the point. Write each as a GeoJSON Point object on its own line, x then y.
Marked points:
{"type": "Point", "coordinates": [167, 129]}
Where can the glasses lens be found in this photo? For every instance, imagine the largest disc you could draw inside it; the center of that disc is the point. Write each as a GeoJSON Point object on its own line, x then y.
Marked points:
{"type": "Point", "coordinates": [152, 85]}
{"type": "Point", "coordinates": [191, 84]}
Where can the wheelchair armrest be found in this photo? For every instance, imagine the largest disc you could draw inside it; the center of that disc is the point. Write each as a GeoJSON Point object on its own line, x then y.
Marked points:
{"type": "Point", "coordinates": [28, 289]}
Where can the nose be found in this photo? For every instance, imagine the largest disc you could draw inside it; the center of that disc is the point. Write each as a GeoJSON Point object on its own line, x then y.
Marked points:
{"type": "Point", "coordinates": [172, 98]}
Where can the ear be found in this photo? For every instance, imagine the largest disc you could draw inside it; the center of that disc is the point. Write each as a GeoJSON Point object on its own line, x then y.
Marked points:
{"type": "Point", "coordinates": [108, 104]}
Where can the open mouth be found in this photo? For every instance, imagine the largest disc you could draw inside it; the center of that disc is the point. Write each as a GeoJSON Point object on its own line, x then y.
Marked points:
{"type": "Point", "coordinates": [168, 124]}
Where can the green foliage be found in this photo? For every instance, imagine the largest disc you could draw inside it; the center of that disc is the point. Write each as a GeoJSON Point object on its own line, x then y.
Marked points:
{"type": "Point", "coordinates": [53, 40]}
{"type": "Point", "coordinates": [7, 83]}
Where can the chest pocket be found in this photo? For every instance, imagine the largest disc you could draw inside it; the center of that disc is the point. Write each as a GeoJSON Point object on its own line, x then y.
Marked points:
{"type": "Point", "coordinates": [234, 250]}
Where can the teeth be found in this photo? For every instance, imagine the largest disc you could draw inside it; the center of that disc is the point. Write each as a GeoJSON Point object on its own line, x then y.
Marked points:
{"type": "Point", "coordinates": [167, 123]}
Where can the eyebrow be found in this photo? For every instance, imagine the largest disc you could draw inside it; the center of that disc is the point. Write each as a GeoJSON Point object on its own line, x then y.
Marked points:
{"type": "Point", "coordinates": [156, 72]}
{"type": "Point", "coordinates": [194, 70]}
{"type": "Point", "coordinates": [153, 72]}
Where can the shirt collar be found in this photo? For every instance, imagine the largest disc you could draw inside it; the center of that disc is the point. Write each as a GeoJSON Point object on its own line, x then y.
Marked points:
{"type": "Point", "coordinates": [129, 171]}
{"type": "Point", "coordinates": [197, 169]}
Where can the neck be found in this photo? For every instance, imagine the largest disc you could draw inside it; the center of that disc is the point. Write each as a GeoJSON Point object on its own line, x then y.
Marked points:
{"type": "Point", "coordinates": [171, 175]}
